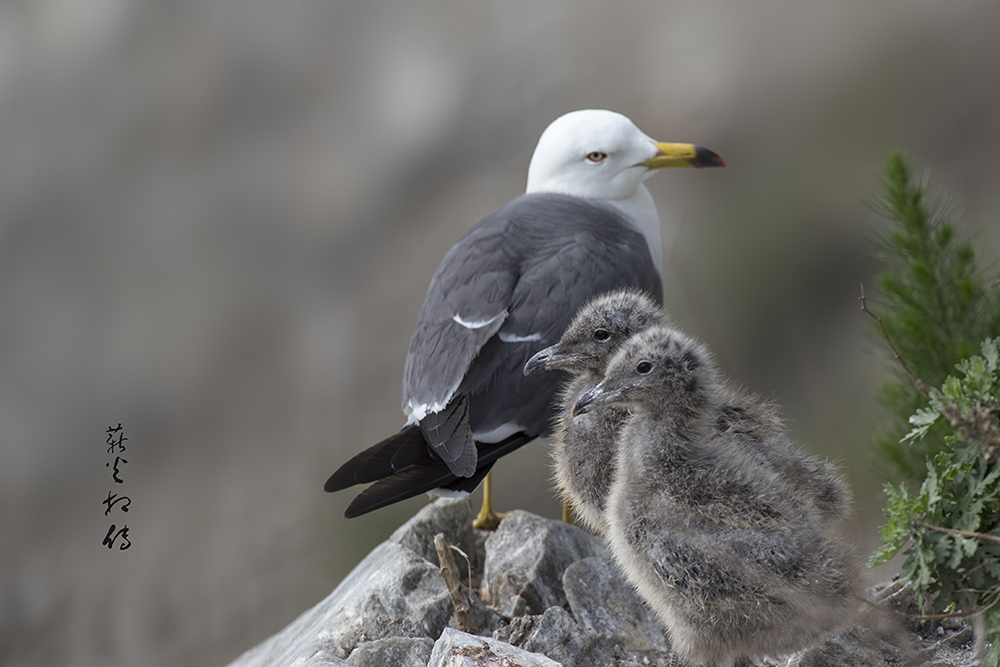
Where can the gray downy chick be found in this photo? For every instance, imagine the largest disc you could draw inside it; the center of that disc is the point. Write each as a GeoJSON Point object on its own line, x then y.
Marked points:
{"type": "Point", "coordinates": [583, 448]}
{"type": "Point", "coordinates": [757, 427]}
{"type": "Point", "coordinates": [718, 543]}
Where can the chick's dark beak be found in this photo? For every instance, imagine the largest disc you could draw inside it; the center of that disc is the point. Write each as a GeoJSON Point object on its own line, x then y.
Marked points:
{"type": "Point", "coordinates": [540, 361]}
{"type": "Point", "coordinates": [586, 403]}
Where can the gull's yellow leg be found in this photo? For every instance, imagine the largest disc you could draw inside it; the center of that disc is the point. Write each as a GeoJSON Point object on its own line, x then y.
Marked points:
{"type": "Point", "coordinates": [567, 512]}
{"type": "Point", "coordinates": [487, 519]}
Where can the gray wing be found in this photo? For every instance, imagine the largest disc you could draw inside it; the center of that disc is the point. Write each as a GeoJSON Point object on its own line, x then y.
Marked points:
{"type": "Point", "coordinates": [467, 302]}
{"type": "Point", "coordinates": [508, 288]}
{"type": "Point", "coordinates": [575, 249]}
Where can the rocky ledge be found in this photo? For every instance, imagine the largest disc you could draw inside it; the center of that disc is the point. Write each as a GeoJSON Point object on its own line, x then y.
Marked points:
{"type": "Point", "coordinates": [547, 595]}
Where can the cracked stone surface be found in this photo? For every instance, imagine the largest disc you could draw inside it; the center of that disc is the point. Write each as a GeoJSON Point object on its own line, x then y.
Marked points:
{"type": "Point", "coordinates": [544, 593]}
{"type": "Point", "coordinates": [525, 561]}
{"type": "Point", "coordinates": [396, 651]}
{"type": "Point", "coordinates": [459, 649]}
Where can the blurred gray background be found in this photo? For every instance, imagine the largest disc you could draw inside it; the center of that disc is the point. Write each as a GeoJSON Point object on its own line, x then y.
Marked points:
{"type": "Point", "coordinates": [218, 220]}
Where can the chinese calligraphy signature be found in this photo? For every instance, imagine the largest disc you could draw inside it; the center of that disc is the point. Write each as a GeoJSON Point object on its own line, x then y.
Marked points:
{"type": "Point", "coordinates": [116, 445]}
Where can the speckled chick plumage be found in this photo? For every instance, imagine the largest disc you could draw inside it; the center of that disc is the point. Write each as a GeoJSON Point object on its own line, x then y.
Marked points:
{"type": "Point", "coordinates": [756, 428]}
{"type": "Point", "coordinates": [736, 561]}
{"type": "Point", "coordinates": [583, 448]}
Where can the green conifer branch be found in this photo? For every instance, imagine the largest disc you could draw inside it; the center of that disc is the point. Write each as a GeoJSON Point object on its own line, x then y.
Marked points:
{"type": "Point", "coordinates": [935, 307]}
{"type": "Point", "coordinates": [938, 312]}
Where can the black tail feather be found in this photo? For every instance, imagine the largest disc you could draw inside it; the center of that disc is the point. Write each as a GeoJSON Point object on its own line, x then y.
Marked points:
{"type": "Point", "coordinates": [470, 484]}
{"type": "Point", "coordinates": [388, 457]}
{"type": "Point", "coordinates": [420, 479]}
{"type": "Point", "coordinates": [401, 486]}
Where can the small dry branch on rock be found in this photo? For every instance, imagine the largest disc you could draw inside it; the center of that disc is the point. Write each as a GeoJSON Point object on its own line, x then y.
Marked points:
{"type": "Point", "coordinates": [463, 610]}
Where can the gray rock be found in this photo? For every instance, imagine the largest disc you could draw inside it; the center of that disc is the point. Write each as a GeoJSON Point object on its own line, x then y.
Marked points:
{"type": "Point", "coordinates": [653, 659]}
{"type": "Point", "coordinates": [957, 650]}
{"type": "Point", "coordinates": [459, 649]}
{"type": "Point", "coordinates": [395, 651]}
{"type": "Point", "coordinates": [525, 561]}
{"type": "Point", "coordinates": [607, 606]}
{"type": "Point", "coordinates": [558, 636]}
{"type": "Point", "coordinates": [487, 620]}
{"type": "Point", "coordinates": [408, 599]}
{"type": "Point", "coordinates": [321, 658]}
{"type": "Point", "coordinates": [453, 517]}
{"type": "Point", "coordinates": [567, 604]}
{"type": "Point", "coordinates": [392, 593]}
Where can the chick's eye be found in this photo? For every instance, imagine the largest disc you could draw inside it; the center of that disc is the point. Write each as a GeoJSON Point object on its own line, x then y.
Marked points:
{"type": "Point", "coordinates": [596, 156]}
{"type": "Point", "coordinates": [601, 335]}
{"type": "Point", "coordinates": [643, 367]}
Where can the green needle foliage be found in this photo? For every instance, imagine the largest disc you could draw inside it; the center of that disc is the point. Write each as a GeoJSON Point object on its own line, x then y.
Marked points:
{"type": "Point", "coordinates": [937, 305]}
{"type": "Point", "coordinates": [938, 312]}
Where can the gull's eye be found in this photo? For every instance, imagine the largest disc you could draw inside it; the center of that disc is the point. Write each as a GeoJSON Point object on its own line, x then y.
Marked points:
{"type": "Point", "coordinates": [596, 156]}
{"type": "Point", "coordinates": [601, 335]}
{"type": "Point", "coordinates": [643, 367]}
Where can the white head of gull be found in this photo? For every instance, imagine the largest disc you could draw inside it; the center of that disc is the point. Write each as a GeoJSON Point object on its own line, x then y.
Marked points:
{"type": "Point", "coordinates": [599, 154]}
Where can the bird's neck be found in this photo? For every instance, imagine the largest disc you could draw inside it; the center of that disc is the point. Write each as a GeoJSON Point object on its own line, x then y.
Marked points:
{"type": "Point", "coordinates": [640, 209]}
{"type": "Point", "coordinates": [677, 433]}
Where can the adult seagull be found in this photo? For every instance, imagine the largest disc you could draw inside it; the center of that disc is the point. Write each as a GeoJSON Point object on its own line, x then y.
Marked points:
{"type": "Point", "coordinates": [507, 289]}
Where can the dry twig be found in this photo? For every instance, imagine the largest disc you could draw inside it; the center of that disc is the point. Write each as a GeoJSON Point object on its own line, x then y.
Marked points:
{"type": "Point", "coordinates": [963, 533]}
{"type": "Point", "coordinates": [993, 593]}
{"type": "Point", "coordinates": [864, 309]}
{"type": "Point", "coordinates": [463, 610]}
